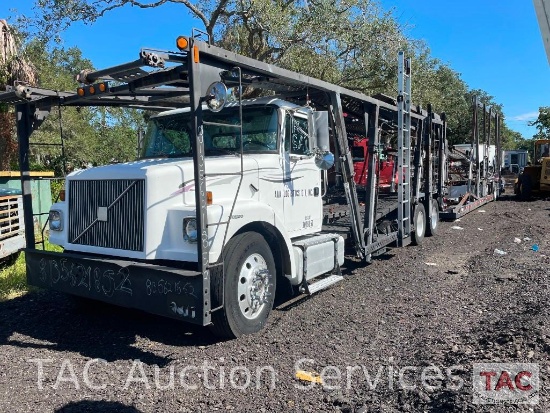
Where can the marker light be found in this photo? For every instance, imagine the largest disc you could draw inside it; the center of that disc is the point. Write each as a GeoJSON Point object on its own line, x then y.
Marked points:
{"type": "Point", "coordinates": [196, 54]}
{"type": "Point", "coordinates": [80, 91]}
{"type": "Point", "coordinates": [208, 198]}
{"type": "Point", "coordinates": [182, 43]}
{"type": "Point", "coordinates": [91, 89]}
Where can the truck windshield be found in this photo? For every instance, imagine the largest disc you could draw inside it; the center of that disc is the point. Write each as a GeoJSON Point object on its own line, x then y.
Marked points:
{"type": "Point", "coordinates": [542, 150]}
{"type": "Point", "coordinates": [169, 136]}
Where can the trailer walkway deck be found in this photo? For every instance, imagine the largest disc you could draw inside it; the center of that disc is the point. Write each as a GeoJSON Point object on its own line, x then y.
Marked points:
{"type": "Point", "coordinates": [337, 219]}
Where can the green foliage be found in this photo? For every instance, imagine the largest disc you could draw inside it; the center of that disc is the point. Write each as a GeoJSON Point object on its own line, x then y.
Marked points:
{"type": "Point", "coordinates": [13, 278]}
{"type": "Point", "coordinates": [92, 136]}
{"type": "Point", "coordinates": [542, 123]}
{"type": "Point", "coordinates": [353, 43]}
{"type": "Point", "coordinates": [55, 187]}
{"type": "Point", "coordinates": [13, 281]}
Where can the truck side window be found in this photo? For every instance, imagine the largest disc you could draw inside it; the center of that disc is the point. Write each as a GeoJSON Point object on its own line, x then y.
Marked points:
{"type": "Point", "coordinates": [296, 135]}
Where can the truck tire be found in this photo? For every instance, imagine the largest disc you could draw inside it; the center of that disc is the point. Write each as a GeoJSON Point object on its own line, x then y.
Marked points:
{"type": "Point", "coordinates": [248, 286]}
{"type": "Point", "coordinates": [419, 221]}
{"type": "Point", "coordinates": [432, 221]}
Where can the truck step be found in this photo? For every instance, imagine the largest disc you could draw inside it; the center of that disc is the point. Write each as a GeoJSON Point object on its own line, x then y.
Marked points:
{"type": "Point", "coordinates": [324, 283]}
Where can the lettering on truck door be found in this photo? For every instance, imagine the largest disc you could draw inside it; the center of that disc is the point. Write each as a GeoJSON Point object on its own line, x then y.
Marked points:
{"type": "Point", "coordinates": [302, 179]}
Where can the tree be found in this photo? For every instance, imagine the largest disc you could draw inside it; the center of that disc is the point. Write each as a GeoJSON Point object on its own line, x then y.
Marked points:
{"type": "Point", "coordinates": [353, 43]}
{"type": "Point", "coordinates": [542, 123]}
{"type": "Point", "coordinates": [92, 135]}
{"type": "Point", "coordinates": [350, 42]}
{"type": "Point", "coordinates": [12, 67]}
{"type": "Point", "coordinates": [56, 15]}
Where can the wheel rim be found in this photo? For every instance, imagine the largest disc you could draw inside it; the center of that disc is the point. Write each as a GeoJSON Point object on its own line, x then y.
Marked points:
{"type": "Point", "coordinates": [254, 280]}
{"type": "Point", "coordinates": [420, 224]}
{"type": "Point", "coordinates": [435, 216]}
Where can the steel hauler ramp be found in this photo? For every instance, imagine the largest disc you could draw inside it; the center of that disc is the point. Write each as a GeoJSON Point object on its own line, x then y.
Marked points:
{"type": "Point", "coordinates": [468, 204]}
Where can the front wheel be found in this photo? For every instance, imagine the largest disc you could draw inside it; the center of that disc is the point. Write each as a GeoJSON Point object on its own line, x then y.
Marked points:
{"type": "Point", "coordinates": [419, 221]}
{"type": "Point", "coordinates": [248, 286]}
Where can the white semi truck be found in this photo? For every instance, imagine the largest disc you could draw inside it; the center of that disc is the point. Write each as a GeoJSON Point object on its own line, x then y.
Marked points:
{"type": "Point", "coordinates": [230, 198]}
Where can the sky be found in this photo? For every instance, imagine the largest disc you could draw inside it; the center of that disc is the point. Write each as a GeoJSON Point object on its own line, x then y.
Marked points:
{"type": "Point", "coordinates": [495, 45]}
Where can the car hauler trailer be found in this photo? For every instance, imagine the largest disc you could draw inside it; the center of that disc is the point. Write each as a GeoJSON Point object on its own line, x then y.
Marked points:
{"type": "Point", "coordinates": [473, 170]}
{"type": "Point", "coordinates": [229, 198]}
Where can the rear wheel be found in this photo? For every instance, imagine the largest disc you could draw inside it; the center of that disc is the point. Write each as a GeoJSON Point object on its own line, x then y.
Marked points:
{"type": "Point", "coordinates": [248, 287]}
{"type": "Point", "coordinates": [419, 220]}
{"type": "Point", "coordinates": [433, 222]}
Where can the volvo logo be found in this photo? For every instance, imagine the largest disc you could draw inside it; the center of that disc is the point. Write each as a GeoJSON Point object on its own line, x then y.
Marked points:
{"type": "Point", "coordinates": [102, 214]}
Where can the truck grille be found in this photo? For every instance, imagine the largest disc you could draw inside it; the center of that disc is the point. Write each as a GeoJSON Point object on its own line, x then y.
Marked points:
{"type": "Point", "coordinates": [9, 216]}
{"type": "Point", "coordinates": [108, 214]}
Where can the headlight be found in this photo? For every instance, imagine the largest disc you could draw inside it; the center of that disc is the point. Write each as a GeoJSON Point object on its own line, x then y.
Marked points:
{"type": "Point", "coordinates": [56, 220]}
{"type": "Point", "coordinates": [190, 229]}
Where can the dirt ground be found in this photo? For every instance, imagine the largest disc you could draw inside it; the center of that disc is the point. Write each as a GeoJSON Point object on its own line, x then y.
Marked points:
{"type": "Point", "coordinates": [417, 319]}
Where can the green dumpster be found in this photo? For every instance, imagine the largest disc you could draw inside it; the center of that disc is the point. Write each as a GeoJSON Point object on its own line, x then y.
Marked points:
{"type": "Point", "coordinates": [40, 189]}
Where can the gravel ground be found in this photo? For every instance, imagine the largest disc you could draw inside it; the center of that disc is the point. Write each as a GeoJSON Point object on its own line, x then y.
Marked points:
{"type": "Point", "coordinates": [471, 306]}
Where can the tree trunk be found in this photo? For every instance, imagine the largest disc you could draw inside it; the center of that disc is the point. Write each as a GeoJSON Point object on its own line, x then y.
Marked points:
{"type": "Point", "coordinates": [8, 145]}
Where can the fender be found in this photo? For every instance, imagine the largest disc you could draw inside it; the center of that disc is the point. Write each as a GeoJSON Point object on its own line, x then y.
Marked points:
{"type": "Point", "coordinates": [247, 212]}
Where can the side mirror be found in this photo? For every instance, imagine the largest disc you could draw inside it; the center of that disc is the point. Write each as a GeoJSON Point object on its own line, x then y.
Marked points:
{"type": "Point", "coordinates": [216, 96]}
{"type": "Point", "coordinates": [321, 130]}
{"type": "Point", "coordinates": [324, 159]}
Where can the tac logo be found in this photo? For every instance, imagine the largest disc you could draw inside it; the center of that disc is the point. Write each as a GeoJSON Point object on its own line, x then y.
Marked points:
{"type": "Point", "coordinates": [506, 383]}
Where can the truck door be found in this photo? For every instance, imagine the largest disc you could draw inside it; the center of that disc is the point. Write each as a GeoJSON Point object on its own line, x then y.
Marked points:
{"type": "Point", "coordinates": [302, 201]}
